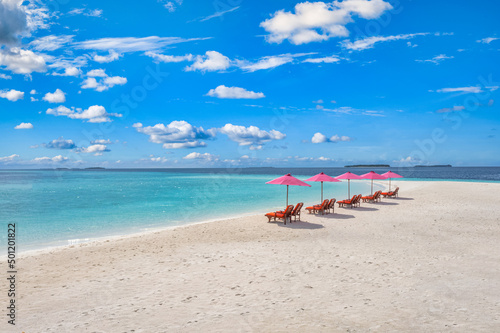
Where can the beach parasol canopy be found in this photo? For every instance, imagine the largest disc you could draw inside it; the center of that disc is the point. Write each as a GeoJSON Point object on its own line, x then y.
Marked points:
{"type": "Point", "coordinates": [322, 177]}
{"type": "Point", "coordinates": [372, 175]}
{"type": "Point", "coordinates": [287, 180]}
{"type": "Point", "coordinates": [390, 175]}
{"type": "Point", "coordinates": [348, 175]}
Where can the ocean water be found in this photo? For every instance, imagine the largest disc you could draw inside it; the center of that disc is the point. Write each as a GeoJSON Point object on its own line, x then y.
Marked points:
{"type": "Point", "coordinates": [58, 207]}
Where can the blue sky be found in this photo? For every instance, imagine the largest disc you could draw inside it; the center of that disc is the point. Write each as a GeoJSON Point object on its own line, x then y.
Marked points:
{"type": "Point", "coordinates": [237, 83]}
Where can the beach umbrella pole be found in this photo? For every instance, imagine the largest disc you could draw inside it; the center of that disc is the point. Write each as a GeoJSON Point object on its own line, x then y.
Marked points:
{"type": "Point", "coordinates": [389, 184]}
{"type": "Point", "coordinates": [372, 187]}
{"type": "Point", "coordinates": [287, 195]}
{"type": "Point", "coordinates": [321, 191]}
{"type": "Point", "coordinates": [348, 188]}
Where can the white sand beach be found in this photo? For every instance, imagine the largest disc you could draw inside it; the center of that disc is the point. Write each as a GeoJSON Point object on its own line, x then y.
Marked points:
{"type": "Point", "coordinates": [428, 261]}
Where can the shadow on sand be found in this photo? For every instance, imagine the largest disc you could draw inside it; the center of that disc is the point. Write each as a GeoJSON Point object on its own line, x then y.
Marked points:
{"type": "Point", "coordinates": [384, 203]}
{"type": "Point", "coordinates": [362, 208]}
{"type": "Point", "coordinates": [400, 198]}
{"type": "Point", "coordinates": [337, 216]}
{"type": "Point", "coordinates": [301, 225]}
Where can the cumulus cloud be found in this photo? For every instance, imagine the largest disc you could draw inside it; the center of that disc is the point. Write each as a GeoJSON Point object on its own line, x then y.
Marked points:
{"type": "Point", "coordinates": [24, 126]}
{"type": "Point", "coordinates": [211, 61]}
{"type": "Point", "coordinates": [168, 58]}
{"type": "Point", "coordinates": [60, 144]}
{"type": "Point", "coordinates": [321, 138]}
{"type": "Point", "coordinates": [104, 83]}
{"type": "Point", "coordinates": [177, 134]}
{"type": "Point", "coordinates": [200, 156]}
{"type": "Point", "coordinates": [8, 158]}
{"type": "Point", "coordinates": [13, 21]}
{"type": "Point", "coordinates": [45, 159]}
{"type": "Point", "coordinates": [112, 56]}
{"type": "Point", "coordinates": [234, 93]}
{"type": "Point", "coordinates": [96, 149]}
{"type": "Point", "coordinates": [56, 97]}
{"type": "Point", "coordinates": [437, 59]}
{"type": "Point", "coordinates": [5, 77]}
{"type": "Point", "coordinates": [69, 71]}
{"type": "Point", "coordinates": [94, 114]}
{"type": "Point", "coordinates": [102, 142]}
{"type": "Point", "coordinates": [12, 95]}
{"type": "Point", "coordinates": [369, 42]}
{"type": "Point", "coordinates": [252, 135]}
{"type": "Point", "coordinates": [21, 61]}
{"type": "Point", "coordinates": [319, 21]}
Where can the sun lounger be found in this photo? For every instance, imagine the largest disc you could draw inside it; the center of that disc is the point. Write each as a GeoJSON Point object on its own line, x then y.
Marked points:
{"type": "Point", "coordinates": [331, 205]}
{"type": "Point", "coordinates": [282, 215]}
{"type": "Point", "coordinates": [319, 208]}
{"type": "Point", "coordinates": [391, 194]}
{"type": "Point", "coordinates": [374, 197]}
{"type": "Point", "coordinates": [355, 200]}
{"type": "Point", "coordinates": [295, 212]}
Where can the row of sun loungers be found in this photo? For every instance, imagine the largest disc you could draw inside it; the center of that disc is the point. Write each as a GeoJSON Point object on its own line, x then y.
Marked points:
{"type": "Point", "coordinates": [327, 205]}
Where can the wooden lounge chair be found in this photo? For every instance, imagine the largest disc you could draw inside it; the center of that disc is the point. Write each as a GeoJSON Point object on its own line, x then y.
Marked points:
{"type": "Point", "coordinates": [282, 215]}
{"type": "Point", "coordinates": [331, 205]}
{"type": "Point", "coordinates": [295, 212]}
{"type": "Point", "coordinates": [391, 193]}
{"type": "Point", "coordinates": [319, 208]}
{"type": "Point", "coordinates": [373, 197]}
{"type": "Point", "coordinates": [355, 201]}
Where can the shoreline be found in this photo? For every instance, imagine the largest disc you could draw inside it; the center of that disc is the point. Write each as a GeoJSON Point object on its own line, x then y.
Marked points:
{"type": "Point", "coordinates": [423, 261]}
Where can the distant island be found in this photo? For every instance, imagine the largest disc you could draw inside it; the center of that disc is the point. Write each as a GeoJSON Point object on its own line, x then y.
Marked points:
{"type": "Point", "coordinates": [434, 166]}
{"type": "Point", "coordinates": [95, 168]}
{"type": "Point", "coordinates": [367, 166]}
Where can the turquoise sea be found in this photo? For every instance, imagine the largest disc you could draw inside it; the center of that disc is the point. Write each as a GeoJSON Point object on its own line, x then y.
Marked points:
{"type": "Point", "coordinates": [60, 207]}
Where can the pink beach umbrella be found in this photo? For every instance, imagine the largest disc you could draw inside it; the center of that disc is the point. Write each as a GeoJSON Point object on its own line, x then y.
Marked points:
{"type": "Point", "coordinates": [322, 177]}
{"type": "Point", "coordinates": [372, 175]}
{"type": "Point", "coordinates": [348, 175]}
{"type": "Point", "coordinates": [287, 180]}
{"type": "Point", "coordinates": [390, 175]}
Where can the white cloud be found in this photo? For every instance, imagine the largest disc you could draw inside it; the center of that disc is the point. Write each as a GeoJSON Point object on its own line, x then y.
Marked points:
{"type": "Point", "coordinates": [266, 63]}
{"type": "Point", "coordinates": [24, 126]}
{"type": "Point", "coordinates": [234, 93]}
{"type": "Point", "coordinates": [56, 97]}
{"type": "Point", "coordinates": [86, 12]}
{"type": "Point", "coordinates": [326, 60]}
{"type": "Point", "coordinates": [102, 142]}
{"type": "Point", "coordinates": [177, 134]}
{"type": "Point", "coordinates": [8, 158]}
{"type": "Point", "coordinates": [51, 42]}
{"type": "Point", "coordinates": [104, 83]}
{"type": "Point", "coordinates": [369, 42]}
{"type": "Point", "coordinates": [5, 77]}
{"type": "Point", "coordinates": [22, 61]}
{"type": "Point", "coordinates": [454, 108]}
{"type": "Point", "coordinates": [211, 61]}
{"type": "Point", "coordinates": [69, 71]}
{"type": "Point", "coordinates": [321, 138]}
{"type": "Point", "coordinates": [466, 90]}
{"type": "Point", "coordinates": [94, 114]}
{"type": "Point", "coordinates": [33, 92]}
{"type": "Point", "coordinates": [252, 135]}
{"type": "Point", "coordinates": [487, 40]}
{"type": "Point", "coordinates": [112, 56]}
{"type": "Point", "coordinates": [96, 149]}
{"type": "Point", "coordinates": [12, 95]}
{"type": "Point", "coordinates": [132, 44]}
{"type": "Point", "coordinates": [58, 158]}
{"type": "Point", "coordinates": [158, 159]}
{"type": "Point", "coordinates": [97, 73]}
{"type": "Point", "coordinates": [437, 59]}
{"type": "Point", "coordinates": [168, 58]}
{"type": "Point", "coordinates": [199, 156]}
{"type": "Point", "coordinates": [319, 21]}
{"type": "Point", "coordinates": [219, 14]}
{"type": "Point", "coordinates": [60, 143]}
{"type": "Point", "coordinates": [33, 99]}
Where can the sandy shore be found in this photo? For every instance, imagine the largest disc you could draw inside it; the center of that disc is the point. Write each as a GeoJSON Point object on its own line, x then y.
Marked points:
{"type": "Point", "coordinates": [428, 261]}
